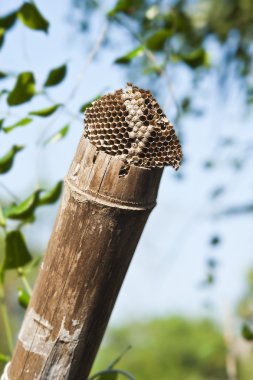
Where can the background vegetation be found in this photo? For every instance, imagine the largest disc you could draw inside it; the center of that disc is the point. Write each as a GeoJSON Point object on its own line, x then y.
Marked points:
{"type": "Point", "coordinates": [163, 43]}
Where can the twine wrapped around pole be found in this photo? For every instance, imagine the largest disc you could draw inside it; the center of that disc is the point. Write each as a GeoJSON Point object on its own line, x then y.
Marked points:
{"type": "Point", "coordinates": [109, 192]}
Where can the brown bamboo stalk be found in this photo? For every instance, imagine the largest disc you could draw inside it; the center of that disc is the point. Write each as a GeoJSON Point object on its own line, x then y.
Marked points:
{"type": "Point", "coordinates": [99, 223]}
{"type": "Point", "coordinates": [109, 192]}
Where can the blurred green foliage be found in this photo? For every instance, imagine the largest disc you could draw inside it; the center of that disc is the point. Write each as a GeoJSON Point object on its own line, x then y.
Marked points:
{"type": "Point", "coordinates": [172, 348]}
{"type": "Point", "coordinates": [180, 31]}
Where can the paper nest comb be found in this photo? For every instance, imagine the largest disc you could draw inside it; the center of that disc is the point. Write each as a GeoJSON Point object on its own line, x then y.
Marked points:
{"type": "Point", "coordinates": [131, 125]}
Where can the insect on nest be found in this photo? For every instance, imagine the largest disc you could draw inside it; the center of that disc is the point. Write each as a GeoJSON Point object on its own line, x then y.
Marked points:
{"type": "Point", "coordinates": [131, 125]}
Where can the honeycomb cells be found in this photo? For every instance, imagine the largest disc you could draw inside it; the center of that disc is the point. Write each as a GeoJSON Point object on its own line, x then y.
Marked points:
{"type": "Point", "coordinates": [131, 125]}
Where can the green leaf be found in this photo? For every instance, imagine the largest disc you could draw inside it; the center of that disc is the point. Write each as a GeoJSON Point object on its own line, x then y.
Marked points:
{"type": "Point", "coordinates": [215, 240]}
{"type": "Point", "coordinates": [20, 123]}
{"type": "Point", "coordinates": [1, 123]}
{"type": "Point", "coordinates": [51, 196]}
{"type": "Point", "coordinates": [108, 376]}
{"type": "Point", "coordinates": [3, 91]}
{"type": "Point", "coordinates": [89, 103]}
{"type": "Point", "coordinates": [209, 164]}
{"type": "Point", "coordinates": [23, 210]}
{"type": "Point", "coordinates": [7, 160]}
{"type": "Point", "coordinates": [111, 374]}
{"type": "Point", "coordinates": [157, 40]}
{"type": "Point", "coordinates": [124, 6]}
{"type": "Point", "coordinates": [153, 69]}
{"type": "Point", "coordinates": [57, 136]}
{"type": "Point", "coordinates": [196, 58]}
{"type": "Point", "coordinates": [4, 358]}
{"type": "Point", "coordinates": [46, 111]}
{"type": "Point", "coordinates": [3, 75]}
{"type": "Point", "coordinates": [247, 332]}
{"type": "Point", "coordinates": [23, 298]}
{"type": "Point", "coordinates": [2, 218]}
{"type": "Point", "coordinates": [212, 263]}
{"type": "Point", "coordinates": [217, 192]}
{"type": "Point", "coordinates": [24, 89]}
{"type": "Point", "coordinates": [2, 35]}
{"type": "Point", "coordinates": [186, 104]}
{"type": "Point", "coordinates": [8, 21]}
{"type": "Point", "coordinates": [127, 58]}
{"type": "Point", "coordinates": [56, 76]}
{"type": "Point", "coordinates": [16, 251]}
{"type": "Point", "coordinates": [249, 95]}
{"type": "Point", "coordinates": [31, 17]}
{"type": "Point", "coordinates": [210, 279]}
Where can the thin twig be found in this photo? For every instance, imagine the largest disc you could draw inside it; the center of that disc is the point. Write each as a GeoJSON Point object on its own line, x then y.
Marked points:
{"type": "Point", "coordinates": [63, 108]}
{"type": "Point", "coordinates": [115, 361]}
{"type": "Point", "coordinates": [166, 76]}
{"type": "Point", "coordinates": [152, 58]}
{"type": "Point", "coordinates": [6, 319]}
{"type": "Point", "coordinates": [91, 55]}
{"type": "Point", "coordinates": [26, 284]}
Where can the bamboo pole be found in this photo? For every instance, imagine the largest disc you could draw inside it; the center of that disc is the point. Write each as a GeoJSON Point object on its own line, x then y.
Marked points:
{"type": "Point", "coordinates": [99, 223]}
{"type": "Point", "coordinates": [98, 227]}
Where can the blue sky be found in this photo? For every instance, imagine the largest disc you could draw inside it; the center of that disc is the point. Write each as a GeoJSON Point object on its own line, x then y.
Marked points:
{"type": "Point", "coordinates": [170, 261]}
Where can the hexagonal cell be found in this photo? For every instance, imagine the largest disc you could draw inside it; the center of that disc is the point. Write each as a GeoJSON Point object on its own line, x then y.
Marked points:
{"type": "Point", "coordinates": [130, 124]}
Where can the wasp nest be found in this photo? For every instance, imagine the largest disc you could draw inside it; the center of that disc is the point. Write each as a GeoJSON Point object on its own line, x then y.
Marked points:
{"type": "Point", "coordinates": [131, 125]}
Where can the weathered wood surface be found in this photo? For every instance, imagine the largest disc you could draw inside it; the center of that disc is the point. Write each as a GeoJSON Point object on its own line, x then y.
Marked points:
{"type": "Point", "coordinates": [98, 226]}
